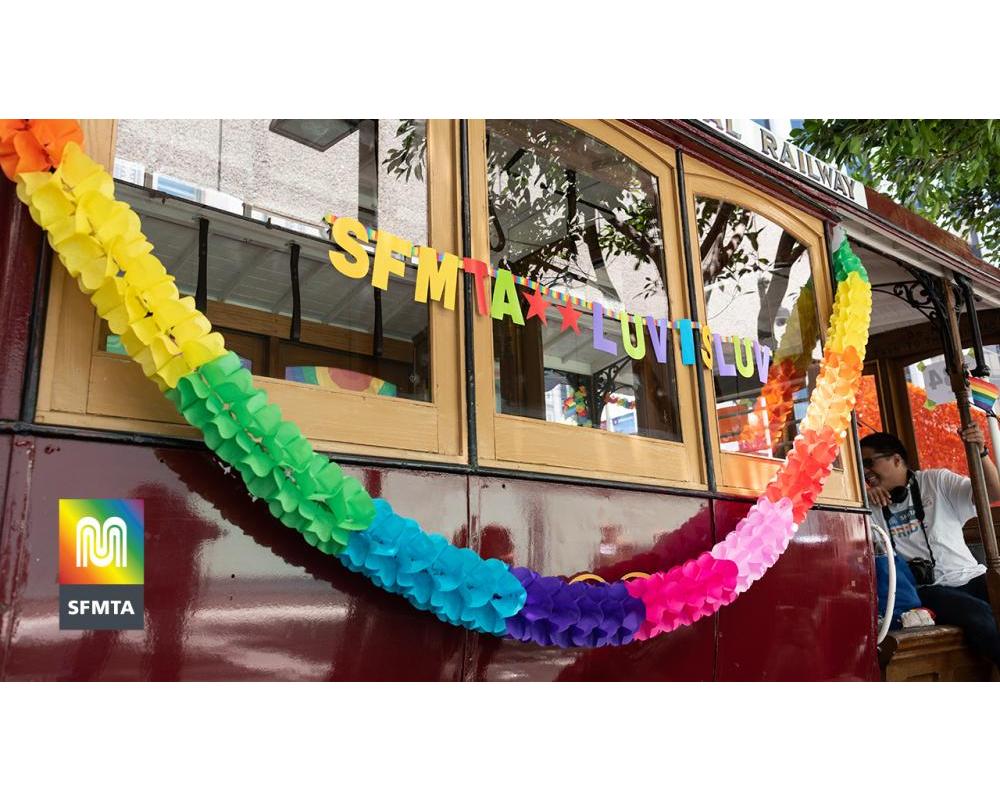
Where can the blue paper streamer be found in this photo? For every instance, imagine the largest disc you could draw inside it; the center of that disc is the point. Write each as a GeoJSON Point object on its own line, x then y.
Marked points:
{"type": "Point", "coordinates": [453, 583]}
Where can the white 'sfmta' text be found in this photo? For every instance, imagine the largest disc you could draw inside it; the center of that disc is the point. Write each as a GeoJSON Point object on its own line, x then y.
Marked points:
{"type": "Point", "coordinates": [77, 607]}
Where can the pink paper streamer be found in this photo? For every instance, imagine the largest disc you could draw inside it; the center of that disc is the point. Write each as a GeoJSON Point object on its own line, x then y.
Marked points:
{"type": "Point", "coordinates": [758, 540]}
{"type": "Point", "coordinates": [684, 594]}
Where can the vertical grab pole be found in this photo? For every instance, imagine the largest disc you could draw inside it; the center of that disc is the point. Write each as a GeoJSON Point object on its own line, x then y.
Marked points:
{"type": "Point", "coordinates": [960, 386]}
{"type": "Point", "coordinates": [994, 435]}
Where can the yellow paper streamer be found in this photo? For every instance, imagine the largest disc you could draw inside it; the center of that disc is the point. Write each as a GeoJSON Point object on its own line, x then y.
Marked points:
{"type": "Point", "coordinates": [100, 242]}
{"type": "Point", "coordinates": [851, 316]}
{"type": "Point", "coordinates": [833, 397]}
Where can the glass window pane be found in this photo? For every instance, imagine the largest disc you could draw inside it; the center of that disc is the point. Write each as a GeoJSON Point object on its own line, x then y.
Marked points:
{"type": "Point", "coordinates": [264, 185]}
{"type": "Point", "coordinates": [574, 215]}
{"type": "Point", "coordinates": [758, 287]}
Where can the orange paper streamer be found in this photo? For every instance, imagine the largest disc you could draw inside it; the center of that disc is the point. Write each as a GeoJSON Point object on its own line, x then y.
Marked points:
{"type": "Point", "coordinates": [35, 145]}
{"type": "Point", "coordinates": [807, 467]}
{"type": "Point", "coordinates": [833, 399]}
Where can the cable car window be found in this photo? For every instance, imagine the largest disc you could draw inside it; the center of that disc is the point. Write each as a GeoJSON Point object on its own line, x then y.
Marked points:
{"type": "Point", "coordinates": [762, 312]}
{"type": "Point", "coordinates": [244, 205]}
{"type": "Point", "coordinates": [579, 223]}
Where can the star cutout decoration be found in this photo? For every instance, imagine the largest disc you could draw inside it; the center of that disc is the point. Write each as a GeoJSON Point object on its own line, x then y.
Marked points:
{"type": "Point", "coordinates": [570, 317]}
{"type": "Point", "coordinates": [536, 306]}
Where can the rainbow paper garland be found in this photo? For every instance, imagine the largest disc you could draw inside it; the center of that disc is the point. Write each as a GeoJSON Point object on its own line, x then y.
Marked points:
{"type": "Point", "coordinates": [100, 242]}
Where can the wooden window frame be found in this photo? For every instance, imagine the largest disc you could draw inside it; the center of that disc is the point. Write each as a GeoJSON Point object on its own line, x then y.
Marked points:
{"type": "Point", "coordinates": [81, 386]}
{"type": "Point", "coordinates": [525, 444]}
{"type": "Point", "coordinates": [747, 474]}
{"type": "Point", "coordinates": [873, 369]}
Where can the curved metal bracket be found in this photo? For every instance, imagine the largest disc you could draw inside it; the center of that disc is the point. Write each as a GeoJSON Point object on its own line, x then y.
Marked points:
{"type": "Point", "coordinates": [925, 293]}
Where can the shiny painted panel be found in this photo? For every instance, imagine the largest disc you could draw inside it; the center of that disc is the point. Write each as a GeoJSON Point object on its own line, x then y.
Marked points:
{"type": "Point", "coordinates": [16, 479]}
{"type": "Point", "coordinates": [19, 242]}
{"type": "Point", "coordinates": [567, 530]}
{"type": "Point", "coordinates": [230, 593]}
{"type": "Point", "coordinates": [811, 617]}
{"type": "Point", "coordinates": [6, 442]}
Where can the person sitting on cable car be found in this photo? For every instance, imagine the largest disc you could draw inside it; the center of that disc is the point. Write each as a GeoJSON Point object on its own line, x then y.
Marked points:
{"type": "Point", "coordinates": [924, 511]}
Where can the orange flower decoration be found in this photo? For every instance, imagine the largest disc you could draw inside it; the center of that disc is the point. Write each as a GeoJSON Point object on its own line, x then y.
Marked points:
{"type": "Point", "coordinates": [35, 145]}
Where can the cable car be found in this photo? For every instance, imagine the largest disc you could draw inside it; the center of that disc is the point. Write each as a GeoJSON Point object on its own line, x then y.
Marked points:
{"type": "Point", "coordinates": [557, 427]}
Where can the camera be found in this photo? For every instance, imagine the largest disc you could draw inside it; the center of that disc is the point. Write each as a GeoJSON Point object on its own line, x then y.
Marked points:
{"type": "Point", "coordinates": [923, 571]}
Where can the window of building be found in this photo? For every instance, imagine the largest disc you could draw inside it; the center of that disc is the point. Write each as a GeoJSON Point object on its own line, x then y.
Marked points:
{"type": "Point", "coordinates": [243, 209]}
{"type": "Point", "coordinates": [584, 216]}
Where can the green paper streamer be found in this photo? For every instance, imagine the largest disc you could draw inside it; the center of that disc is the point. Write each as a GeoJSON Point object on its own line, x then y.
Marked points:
{"type": "Point", "coordinates": [845, 262]}
{"type": "Point", "coordinates": [302, 489]}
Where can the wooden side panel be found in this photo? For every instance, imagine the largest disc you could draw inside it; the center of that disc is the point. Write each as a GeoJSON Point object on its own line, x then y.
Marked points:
{"type": "Point", "coordinates": [99, 140]}
{"type": "Point", "coordinates": [935, 653]}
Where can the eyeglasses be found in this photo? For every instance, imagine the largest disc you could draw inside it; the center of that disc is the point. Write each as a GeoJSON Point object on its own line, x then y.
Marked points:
{"type": "Point", "coordinates": [868, 463]}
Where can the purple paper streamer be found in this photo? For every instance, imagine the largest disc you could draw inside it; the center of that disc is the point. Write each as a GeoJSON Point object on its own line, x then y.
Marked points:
{"type": "Point", "coordinates": [574, 614]}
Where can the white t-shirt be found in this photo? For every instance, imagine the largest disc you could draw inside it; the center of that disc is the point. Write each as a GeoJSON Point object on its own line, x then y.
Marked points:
{"type": "Point", "coordinates": [948, 504]}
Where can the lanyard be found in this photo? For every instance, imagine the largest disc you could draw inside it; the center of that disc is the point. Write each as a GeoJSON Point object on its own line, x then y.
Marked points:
{"type": "Point", "coordinates": [918, 509]}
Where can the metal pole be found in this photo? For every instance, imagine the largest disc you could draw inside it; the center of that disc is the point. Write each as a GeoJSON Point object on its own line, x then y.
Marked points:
{"type": "Point", "coordinates": [960, 386]}
{"type": "Point", "coordinates": [470, 357]}
{"type": "Point", "coordinates": [994, 435]}
{"type": "Point", "coordinates": [368, 166]}
{"type": "Point", "coordinates": [980, 370]}
{"type": "Point", "coordinates": [293, 267]}
{"type": "Point", "coordinates": [201, 292]}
